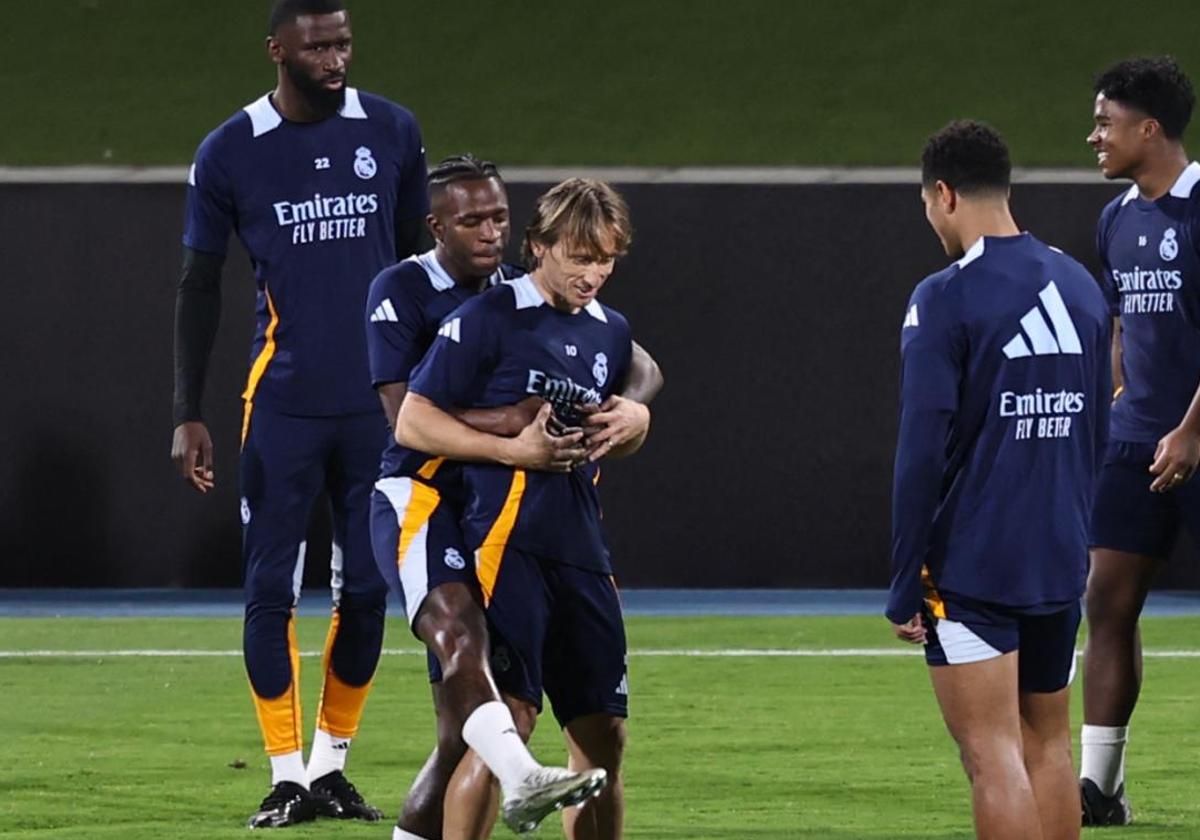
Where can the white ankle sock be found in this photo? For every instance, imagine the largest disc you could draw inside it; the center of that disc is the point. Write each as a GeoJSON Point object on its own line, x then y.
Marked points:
{"type": "Point", "coordinates": [328, 754]}
{"type": "Point", "coordinates": [399, 833]}
{"type": "Point", "coordinates": [1102, 756]}
{"type": "Point", "coordinates": [492, 733]}
{"type": "Point", "coordinates": [288, 767]}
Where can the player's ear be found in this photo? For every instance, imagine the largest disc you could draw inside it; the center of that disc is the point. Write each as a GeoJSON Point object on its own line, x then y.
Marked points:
{"type": "Point", "coordinates": [274, 49]}
{"type": "Point", "coordinates": [946, 196]}
{"type": "Point", "coordinates": [435, 226]}
{"type": "Point", "coordinates": [1149, 128]}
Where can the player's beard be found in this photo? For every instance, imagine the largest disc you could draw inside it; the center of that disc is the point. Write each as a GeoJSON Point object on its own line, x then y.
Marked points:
{"type": "Point", "coordinates": [320, 98]}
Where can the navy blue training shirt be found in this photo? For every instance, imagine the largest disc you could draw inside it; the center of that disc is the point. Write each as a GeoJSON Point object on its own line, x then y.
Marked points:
{"type": "Point", "coordinates": [497, 349]}
{"type": "Point", "coordinates": [405, 306]}
{"type": "Point", "coordinates": [1150, 254]}
{"type": "Point", "coordinates": [1004, 400]}
{"type": "Point", "coordinates": [316, 207]}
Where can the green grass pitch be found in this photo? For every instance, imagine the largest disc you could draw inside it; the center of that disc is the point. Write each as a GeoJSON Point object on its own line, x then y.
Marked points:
{"type": "Point", "coordinates": [721, 746]}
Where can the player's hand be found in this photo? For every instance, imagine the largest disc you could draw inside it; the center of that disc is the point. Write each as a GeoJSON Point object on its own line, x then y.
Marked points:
{"type": "Point", "coordinates": [1175, 459]}
{"type": "Point", "coordinates": [912, 631]}
{"type": "Point", "coordinates": [613, 423]}
{"type": "Point", "coordinates": [539, 448]}
{"type": "Point", "coordinates": [192, 452]}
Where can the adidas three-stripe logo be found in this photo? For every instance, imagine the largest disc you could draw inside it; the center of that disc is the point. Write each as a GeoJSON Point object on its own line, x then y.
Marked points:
{"type": "Point", "coordinates": [1044, 340]}
{"type": "Point", "coordinates": [384, 312]}
{"type": "Point", "coordinates": [910, 318]}
{"type": "Point", "coordinates": [450, 329]}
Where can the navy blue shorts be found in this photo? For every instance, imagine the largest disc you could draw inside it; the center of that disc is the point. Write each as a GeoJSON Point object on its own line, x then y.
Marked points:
{"type": "Point", "coordinates": [1126, 516]}
{"type": "Point", "coordinates": [559, 629]}
{"type": "Point", "coordinates": [972, 631]}
{"type": "Point", "coordinates": [417, 540]}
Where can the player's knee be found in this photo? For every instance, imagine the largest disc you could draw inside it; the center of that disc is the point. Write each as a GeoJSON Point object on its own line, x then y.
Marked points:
{"type": "Point", "coordinates": [458, 646]}
{"type": "Point", "coordinates": [601, 740]}
{"type": "Point", "coordinates": [988, 756]}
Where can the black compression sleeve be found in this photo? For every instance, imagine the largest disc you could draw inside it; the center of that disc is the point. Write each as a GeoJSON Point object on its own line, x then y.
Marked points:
{"type": "Point", "coordinates": [412, 237]}
{"type": "Point", "coordinates": [197, 314]}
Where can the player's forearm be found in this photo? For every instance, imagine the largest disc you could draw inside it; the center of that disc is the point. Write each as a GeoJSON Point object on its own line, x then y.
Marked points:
{"type": "Point", "coordinates": [1191, 419]}
{"type": "Point", "coordinates": [197, 316]}
{"type": "Point", "coordinates": [1118, 381]}
{"type": "Point", "coordinates": [506, 421]}
{"type": "Point", "coordinates": [423, 426]}
{"type": "Point", "coordinates": [920, 465]}
{"type": "Point", "coordinates": [645, 378]}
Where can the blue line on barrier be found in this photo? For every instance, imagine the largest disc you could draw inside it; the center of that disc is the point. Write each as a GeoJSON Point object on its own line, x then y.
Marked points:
{"type": "Point", "coordinates": [227, 603]}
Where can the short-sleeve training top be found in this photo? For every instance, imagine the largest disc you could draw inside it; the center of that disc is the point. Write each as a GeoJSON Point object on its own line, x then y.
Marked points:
{"type": "Point", "coordinates": [497, 349]}
{"type": "Point", "coordinates": [316, 207]}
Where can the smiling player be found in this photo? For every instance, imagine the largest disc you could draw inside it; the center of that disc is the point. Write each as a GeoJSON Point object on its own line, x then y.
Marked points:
{"type": "Point", "coordinates": [1149, 244]}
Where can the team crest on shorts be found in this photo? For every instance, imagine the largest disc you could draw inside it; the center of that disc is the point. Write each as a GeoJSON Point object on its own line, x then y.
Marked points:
{"type": "Point", "coordinates": [453, 559]}
{"type": "Point", "coordinates": [1168, 249]}
{"type": "Point", "coordinates": [245, 511]}
{"type": "Point", "coordinates": [364, 164]}
{"type": "Point", "coordinates": [600, 370]}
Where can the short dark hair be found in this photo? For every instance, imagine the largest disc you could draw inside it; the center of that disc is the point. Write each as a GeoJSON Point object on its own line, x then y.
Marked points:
{"type": "Point", "coordinates": [968, 156]}
{"type": "Point", "coordinates": [1156, 86]}
{"type": "Point", "coordinates": [286, 11]}
{"type": "Point", "coordinates": [460, 168]}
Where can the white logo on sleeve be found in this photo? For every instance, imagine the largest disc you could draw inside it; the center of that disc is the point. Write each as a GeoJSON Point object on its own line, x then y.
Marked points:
{"type": "Point", "coordinates": [384, 312]}
{"type": "Point", "coordinates": [600, 370]}
{"type": "Point", "coordinates": [1142, 242]}
{"type": "Point", "coordinates": [1168, 249]}
{"type": "Point", "coordinates": [910, 318]}
{"type": "Point", "coordinates": [454, 559]}
{"type": "Point", "coordinates": [451, 329]}
{"type": "Point", "coordinates": [245, 511]}
{"type": "Point", "coordinates": [364, 164]}
{"type": "Point", "coordinates": [1044, 340]}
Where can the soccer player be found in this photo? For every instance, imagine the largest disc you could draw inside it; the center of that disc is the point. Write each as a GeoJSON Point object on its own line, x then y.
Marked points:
{"type": "Point", "coordinates": [1003, 417]}
{"type": "Point", "coordinates": [542, 564]}
{"type": "Point", "coordinates": [418, 500]}
{"type": "Point", "coordinates": [324, 185]}
{"type": "Point", "coordinates": [1148, 239]}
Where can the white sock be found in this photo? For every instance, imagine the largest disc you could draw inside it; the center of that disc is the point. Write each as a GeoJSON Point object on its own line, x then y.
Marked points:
{"type": "Point", "coordinates": [399, 833]}
{"type": "Point", "coordinates": [1102, 756]}
{"type": "Point", "coordinates": [328, 754]}
{"type": "Point", "coordinates": [288, 767]}
{"type": "Point", "coordinates": [492, 733]}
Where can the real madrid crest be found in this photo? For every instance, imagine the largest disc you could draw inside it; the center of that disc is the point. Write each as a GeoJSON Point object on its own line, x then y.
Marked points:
{"type": "Point", "coordinates": [364, 164]}
{"type": "Point", "coordinates": [600, 370]}
{"type": "Point", "coordinates": [1168, 249]}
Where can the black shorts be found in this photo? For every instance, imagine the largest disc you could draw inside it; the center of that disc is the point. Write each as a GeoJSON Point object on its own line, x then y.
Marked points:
{"type": "Point", "coordinates": [559, 629]}
{"type": "Point", "coordinates": [1127, 516]}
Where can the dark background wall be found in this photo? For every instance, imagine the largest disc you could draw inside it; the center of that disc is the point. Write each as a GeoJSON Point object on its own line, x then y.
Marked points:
{"type": "Point", "coordinates": [773, 310]}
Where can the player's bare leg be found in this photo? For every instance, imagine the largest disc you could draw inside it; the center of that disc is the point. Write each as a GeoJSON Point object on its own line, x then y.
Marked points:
{"type": "Point", "coordinates": [453, 627]}
{"type": "Point", "coordinates": [1046, 740]}
{"type": "Point", "coordinates": [1112, 673]}
{"type": "Point", "coordinates": [979, 704]}
{"type": "Point", "coordinates": [473, 795]}
{"type": "Point", "coordinates": [597, 741]}
{"type": "Point", "coordinates": [471, 784]}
